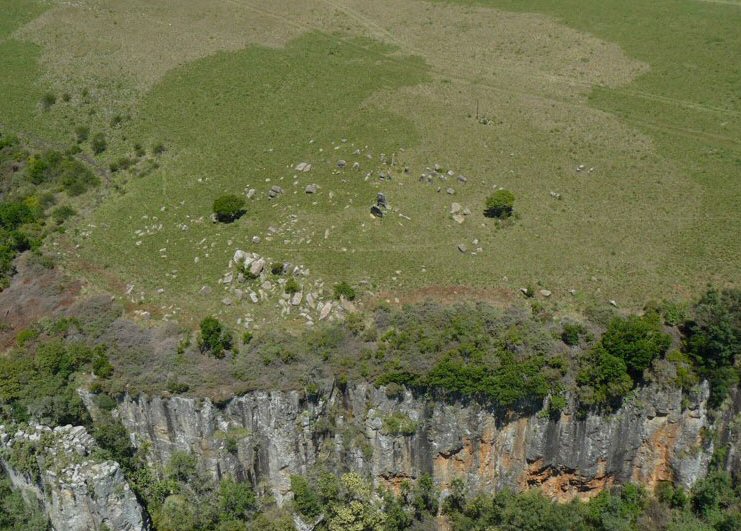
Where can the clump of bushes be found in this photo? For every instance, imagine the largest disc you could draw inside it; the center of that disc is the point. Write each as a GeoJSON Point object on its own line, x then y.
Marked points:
{"type": "Point", "coordinates": [572, 333]}
{"type": "Point", "coordinates": [399, 424]}
{"type": "Point", "coordinates": [82, 133]}
{"type": "Point", "coordinates": [499, 204]}
{"type": "Point", "coordinates": [344, 290]}
{"type": "Point", "coordinates": [228, 208]}
{"type": "Point", "coordinates": [291, 286]}
{"type": "Point", "coordinates": [48, 100]}
{"type": "Point", "coordinates": [98, 143]}
{"type": "Point", "coordinates": [215, 338]}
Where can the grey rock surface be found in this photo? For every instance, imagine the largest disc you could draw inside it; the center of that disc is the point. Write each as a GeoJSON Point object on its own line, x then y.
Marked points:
{"type": "Point", "coordinates": [77, 491]}
{"type": "Point", "coordinates": [652, 438]}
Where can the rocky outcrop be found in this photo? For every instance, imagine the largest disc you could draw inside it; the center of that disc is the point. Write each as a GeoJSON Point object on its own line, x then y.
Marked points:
{"type": "Point", "coordinates": [57, 469]}
{"type": "Point", "coordinates": [265, 437]}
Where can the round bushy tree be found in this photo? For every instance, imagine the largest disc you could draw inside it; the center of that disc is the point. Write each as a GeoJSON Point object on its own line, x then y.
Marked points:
{"type": "Point", "coordinates": [215, 338]}
{"type": "Point", "coordinates": [499, 204]}
{"type": "Point", "coordinates": [228, 208]}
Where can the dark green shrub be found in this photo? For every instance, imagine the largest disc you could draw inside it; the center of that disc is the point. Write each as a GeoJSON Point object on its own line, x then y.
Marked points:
{"type": "Point", "coordinates": [276, 268]}
{"type": "Point", "coordinates": [305, 497]}
{"type": "Point", "coordinates": [102, 367]}
{"type": "Point", "coordinates": [572, 333]}
{"type": "Point", "coordinates": [214, 338]}
{"type": "Point", "coordinates": [82, 133]}
{"type": "Point", "coordinates": [344, 290]}
{"type": "Point", "coordinates": [637, 341]}
{"type": "Point", "coordinates": [139, 150]}
{"type": "Point", "coordinates": [713, 340]}
{"type": "Point", "coordinates": [158, 148]}
{"type": "Point", "coordinates": [399, 424]}
{"type": "Point", "coordinates": [63, 213]}
{"type": "Point", "coordinates": [228, 208]}
{"type": "Point", "coordinates": [175, 387]}
{"type": "Point", "coordinates": [247, 338]}
{"type": "Point", "coordinates": [66, 97]}
{"type": "Point", "coordinates": [292, 286]}
{"type": "Point", "coordinates": [117, 120]}
{"type": "Point", "coordinates": [603, 379]}
{"type": "Point", "coordinates": [48, 100]}
{"type": "Point", "coordinates": [499, 204]}
{"type": "Point", "coordinates": [98, 144]}
{"type": "Point", "coordinates": [124, 163]}
{"type": "Point", "coordinates": [236, 500]}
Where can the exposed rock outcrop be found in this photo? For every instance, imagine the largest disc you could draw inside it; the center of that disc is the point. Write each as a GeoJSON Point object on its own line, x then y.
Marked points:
{"type": "Point", "coordinates": [57, 469]}
{"type": "Point", "coordinates": [265, 437]}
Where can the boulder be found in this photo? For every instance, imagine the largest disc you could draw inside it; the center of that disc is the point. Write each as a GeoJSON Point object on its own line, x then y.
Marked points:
{"type": "Point", "coordinates": [257, 266]}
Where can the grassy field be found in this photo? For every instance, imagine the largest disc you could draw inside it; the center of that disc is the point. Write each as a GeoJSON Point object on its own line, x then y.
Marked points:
{"type": "Point", "coordinates": [241, 92]}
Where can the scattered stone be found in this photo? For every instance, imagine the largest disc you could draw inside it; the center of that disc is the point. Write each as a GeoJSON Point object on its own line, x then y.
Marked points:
{"type": "Point", "coordinates": [437, 167]}
{"type": "Point", "coordinates": [462, 247]}
{"type": "Point", "coordinates": [451, 173]}
{"type": "Point", "coordinates": [613, 303]}
{"type": "Point", "coordinates": [580, 167]}
{"type": "Point", "coordinates": [275, 191]}
{"type": "Point", "coordinates": [256, 239]}
{"type": "Point", "coordinates": [555, 195]}
{"type": "Point", "coordinates": [356, 166]}
{"type": "Point", "coordinates": [303, 167]}
{"type": "Point", "coordinates": [462, 179]}
{"type": "Point", "coordinates": [325, 311]}
{"type": "Point", "coordinates": [341, 163]}
{"type": "Point", "coordinates": [458, 218]}
{"type": "Point", "coordinates": [228, 278]}
{"type": "Point", "coordinates": [572, 291]}
{"type": "Point", "coordinates": [257, 266]}
{"type": "Point", "coordinates": [381, 200]}
{"type": "Point", "coordinates": [450, 191]}
{"type": "Point", "coordinates": [226, 301]}
{"type": "Point", "coordinates": [296, 299]}
{"type": "Point", "coordinates": [545, 293]}
{"type": "Point", "coordinates": [455, 208]}
{"type": "Point", "coordinates": [205, 290]}
{"type": "Point", "coordinates": [311, 189]}
{"type": "Point", "coordinates": [466, 211]}
{"type": "Point", "coordinates": [376, 211]}
{"type": "Point", "coordinates": [250, 193]}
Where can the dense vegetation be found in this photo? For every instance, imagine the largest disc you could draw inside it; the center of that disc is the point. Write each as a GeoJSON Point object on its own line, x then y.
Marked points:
{"type": "Point", "coordinates": [32, 182]}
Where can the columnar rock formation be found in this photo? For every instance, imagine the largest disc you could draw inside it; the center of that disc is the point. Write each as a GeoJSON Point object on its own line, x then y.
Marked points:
{"type": "Point", "coordinates": [58, 470]}
{"type": "Point", "coordinates": [265, 437]}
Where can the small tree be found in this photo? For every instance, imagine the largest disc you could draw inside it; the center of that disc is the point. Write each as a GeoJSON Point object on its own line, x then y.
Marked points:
{"type": "Point", "coordinates": [215, 337]}
{"type": "Point", "coordinates": [228, 208]}
{"type": "Point", "coordinates": [499, 204]}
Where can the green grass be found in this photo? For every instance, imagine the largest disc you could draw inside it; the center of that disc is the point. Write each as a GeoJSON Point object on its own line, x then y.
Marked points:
{"type": "Point", "coordinates": [18, 64]}
{"type": "Point", "coordinates": [15, 13]}
{"type": "Point", "coordinates": [689, 103]}
{"type": "Point", "coordinates": [657, 218]}
{"type": "Point", "coordinates": [238, 119]}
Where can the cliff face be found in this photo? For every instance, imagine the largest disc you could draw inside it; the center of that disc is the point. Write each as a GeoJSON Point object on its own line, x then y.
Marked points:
{"type": "Point", "coordinates": [56, 468]}
{"type": "Point", "coordinates": [265, 437]}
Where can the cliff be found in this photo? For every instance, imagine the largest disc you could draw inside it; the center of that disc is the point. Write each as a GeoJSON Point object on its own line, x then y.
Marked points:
{"type": "Point", "coordinates": [265, 437]}
{"type": "Point", "coordinates": [58, 470]}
